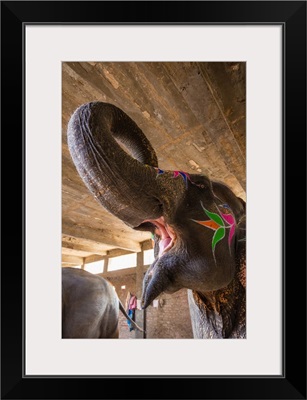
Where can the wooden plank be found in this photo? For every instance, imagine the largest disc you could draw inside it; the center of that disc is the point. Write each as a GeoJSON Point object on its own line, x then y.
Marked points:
{"type": "Point", "coordinates": [163, 101]}
{"type": "Point", "coordinates": [84, 249]}
{"type": "Point", "coordinates": [147, 245]}
{"type": "Point", "coordinates": [118, 253]}
{"type": "Point", "coordinates": [75, 252]}
{"type": "Point", "coordinates": [129, 95]}
{"type": "Point", "coordinates": [228, 81]}
{"type": "Point", "coordinates": [65, 265]}
{"type": "Point", "coordinates": [198, 94]}
{"type": "Point", "coordinates": [93, 258]}
{"type": "Point", "coordinates": [121, 272]}
{"type": "Point", "coordinates": [96, 219]}
{"type": "Point", "coordinates": [85, 244]}
{"type": "Point", "coordinates": [102, 236]}
{"type": "Point", "coordinates": [72, 259]}
{"type": "Point", "coordinates": [81, 215]}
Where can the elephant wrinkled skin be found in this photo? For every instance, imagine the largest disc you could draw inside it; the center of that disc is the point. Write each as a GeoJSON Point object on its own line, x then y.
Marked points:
{"type": "Point", "coordinates": [90, 306]}
{"type": "Point", "coordinates": [198, 224]}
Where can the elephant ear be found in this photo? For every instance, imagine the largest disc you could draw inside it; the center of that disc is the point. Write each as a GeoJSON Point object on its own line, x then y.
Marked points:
{"type": "Point", "coordinates": [242, 202]}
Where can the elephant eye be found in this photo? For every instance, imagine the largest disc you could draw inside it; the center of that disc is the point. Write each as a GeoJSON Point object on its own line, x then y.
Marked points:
{"type": "Point", "coordinates": [200, 184]}
{"type": "Point", "coordinates": [226, 207]}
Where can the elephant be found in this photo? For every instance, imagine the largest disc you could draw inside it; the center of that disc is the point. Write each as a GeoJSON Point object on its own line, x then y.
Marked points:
{"type": "Point", "coordinates": [198, 224]}
{"type": "Point", "coordinates": [90, 306]}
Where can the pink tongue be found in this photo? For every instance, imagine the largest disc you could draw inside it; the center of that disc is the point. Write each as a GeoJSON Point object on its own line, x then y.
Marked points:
{"type": "Point", "coordinates": [163, 244]}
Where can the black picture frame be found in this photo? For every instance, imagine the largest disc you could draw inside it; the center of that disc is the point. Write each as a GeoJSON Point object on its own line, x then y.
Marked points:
{"type": "Point", "coordinates": [291, 15]}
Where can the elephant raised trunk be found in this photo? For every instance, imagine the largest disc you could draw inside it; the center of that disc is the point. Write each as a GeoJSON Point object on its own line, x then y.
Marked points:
{"type": "Point", "coordinates": [123, 184]}
{"type": "Point", "coordinates": [198, 224]}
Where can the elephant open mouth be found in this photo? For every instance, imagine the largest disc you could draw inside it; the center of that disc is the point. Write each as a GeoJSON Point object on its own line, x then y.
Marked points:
{"type": "Point", "coordinates": [166, 233]}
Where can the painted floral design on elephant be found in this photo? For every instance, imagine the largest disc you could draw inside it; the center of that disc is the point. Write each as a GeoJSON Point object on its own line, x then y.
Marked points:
{"type": "Point", "coordinates": [216, 222]}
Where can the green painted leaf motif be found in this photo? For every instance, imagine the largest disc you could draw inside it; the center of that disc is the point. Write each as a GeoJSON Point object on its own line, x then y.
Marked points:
{"type": "Point", "coordinates": [215, 217]}
{"type": "Point", "coordinates": [218, 235]}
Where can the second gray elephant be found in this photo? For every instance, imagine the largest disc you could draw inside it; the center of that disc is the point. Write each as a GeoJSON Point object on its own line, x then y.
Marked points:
{"type": "Point", "coordinates": [90, 306]}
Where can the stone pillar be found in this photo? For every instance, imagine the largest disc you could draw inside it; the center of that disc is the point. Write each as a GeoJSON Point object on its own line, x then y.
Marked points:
{"type": "Point", "coordinates": [140, 315]}
{"type": "Point", "coordinates": [105, 265]}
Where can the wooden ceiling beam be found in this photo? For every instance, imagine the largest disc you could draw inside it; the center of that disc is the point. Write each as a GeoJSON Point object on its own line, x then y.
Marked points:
{"type": "Point", "coordinates": [93, 258]}
{"type": "Point", "coordinates": [66, 259]}
{"type": "Point", "coordinates": [147, 244]}
{"type": "Point", "coordinates": [77, 253]}
{"type": "Point", "coordinates": [79, 247]}
{"type": "Point", "coordinates": [66, 265]}
{"type": "Point", "coordinates": [102, 236]}
{"type": "Point", "coordinates": [118, 253]}
{"type": "Point", "coordinates": [121, 272]}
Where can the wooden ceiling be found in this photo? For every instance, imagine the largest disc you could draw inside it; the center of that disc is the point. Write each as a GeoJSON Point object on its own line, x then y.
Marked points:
{"type": "Point", "coordinates": [192, 113]}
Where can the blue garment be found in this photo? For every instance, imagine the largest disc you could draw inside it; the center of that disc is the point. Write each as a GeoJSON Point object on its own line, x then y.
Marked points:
{"type": "Point", "coordinates": [131, 315]}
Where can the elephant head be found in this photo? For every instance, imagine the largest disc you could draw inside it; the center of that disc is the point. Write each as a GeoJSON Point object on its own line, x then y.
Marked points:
{"type": "Point", "coordinates": [197, 223]}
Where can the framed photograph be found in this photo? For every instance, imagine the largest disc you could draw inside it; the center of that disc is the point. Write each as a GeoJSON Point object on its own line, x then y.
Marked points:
{"type": "Point", "coordinates": [179, 53]}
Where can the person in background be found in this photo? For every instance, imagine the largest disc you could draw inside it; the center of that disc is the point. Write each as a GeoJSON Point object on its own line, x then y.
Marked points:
{"type": "Point", "coordinates": [131, 304]}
